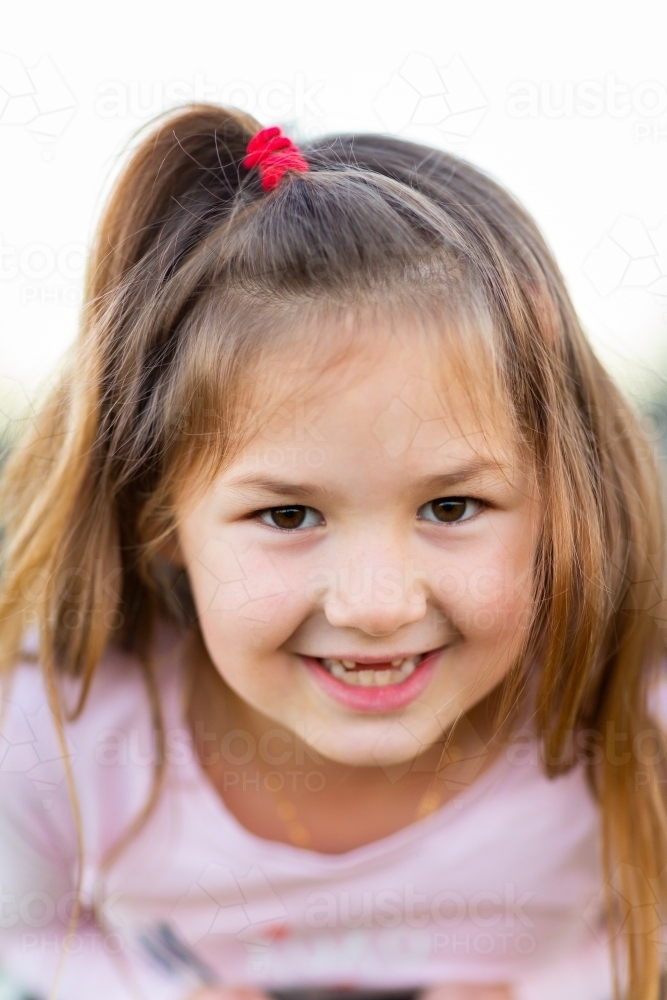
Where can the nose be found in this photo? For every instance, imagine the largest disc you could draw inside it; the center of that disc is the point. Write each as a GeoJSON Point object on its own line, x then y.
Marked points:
{"type": "Point", "coordinates": [375, 592]}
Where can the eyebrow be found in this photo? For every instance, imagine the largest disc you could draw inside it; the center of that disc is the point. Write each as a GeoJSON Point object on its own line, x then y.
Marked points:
{"type": "Point", "coordinates": [434, 483]}
{"type": "Point", "coordinates": [463, 473]}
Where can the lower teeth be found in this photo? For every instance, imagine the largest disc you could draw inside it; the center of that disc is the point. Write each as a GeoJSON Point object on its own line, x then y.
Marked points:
{"type": "Point", "coordinates": [371, 678]}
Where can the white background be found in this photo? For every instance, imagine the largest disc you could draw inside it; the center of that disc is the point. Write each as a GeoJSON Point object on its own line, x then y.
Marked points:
{"type": "Point", "coordinates": [565, 103]}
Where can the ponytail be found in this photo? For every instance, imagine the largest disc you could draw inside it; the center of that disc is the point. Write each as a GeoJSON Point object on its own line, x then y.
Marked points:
{"type": "Point", "coordinates": [190, 165]}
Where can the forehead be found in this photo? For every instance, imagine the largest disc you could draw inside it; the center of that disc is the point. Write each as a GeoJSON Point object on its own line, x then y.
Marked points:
{"type": "Point", "coordinates": [395, 391]}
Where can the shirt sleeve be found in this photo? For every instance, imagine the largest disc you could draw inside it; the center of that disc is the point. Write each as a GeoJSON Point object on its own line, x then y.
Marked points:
{"type": "Point", "coordinates": [39, 865]}
{"type": "Point", "coordinates": [587, 973]}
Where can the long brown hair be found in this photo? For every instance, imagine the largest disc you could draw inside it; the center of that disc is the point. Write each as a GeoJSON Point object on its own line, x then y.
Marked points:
{"type": "Point", "coordinates": [195, 273]}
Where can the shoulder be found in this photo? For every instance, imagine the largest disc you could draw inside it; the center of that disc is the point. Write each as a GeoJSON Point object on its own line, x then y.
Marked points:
{"type": "Point", "coordinates": [105, 755]}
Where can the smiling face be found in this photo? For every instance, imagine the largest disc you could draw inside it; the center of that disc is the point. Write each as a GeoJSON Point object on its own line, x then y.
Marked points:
{"type": "Point", "coordinates": [362, 570]}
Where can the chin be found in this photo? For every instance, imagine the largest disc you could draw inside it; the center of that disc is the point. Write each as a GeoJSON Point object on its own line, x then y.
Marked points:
{"type": "Point", "coordinates": [388, 744]}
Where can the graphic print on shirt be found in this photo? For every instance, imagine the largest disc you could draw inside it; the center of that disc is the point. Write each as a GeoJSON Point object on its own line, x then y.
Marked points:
{"type": "Point", "coordinates": [218, 904]}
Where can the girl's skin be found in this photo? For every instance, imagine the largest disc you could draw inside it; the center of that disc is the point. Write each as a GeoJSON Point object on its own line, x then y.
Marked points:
{"type": "Point", "coordinates": [374, 571]}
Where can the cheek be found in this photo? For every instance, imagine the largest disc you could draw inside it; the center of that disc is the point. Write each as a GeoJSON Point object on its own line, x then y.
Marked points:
{"type": "Point", "coordinates": [487, 591]}
{"type": "Point", "coordinates": [246, 600]}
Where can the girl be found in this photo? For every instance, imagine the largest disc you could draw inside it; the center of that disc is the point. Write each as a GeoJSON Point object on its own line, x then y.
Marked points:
{"type": "Point", "coordinates": [332, 607]}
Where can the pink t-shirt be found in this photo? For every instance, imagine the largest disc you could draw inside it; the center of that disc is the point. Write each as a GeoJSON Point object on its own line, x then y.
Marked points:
{"type": "Point", "coordinates": [501, 884]}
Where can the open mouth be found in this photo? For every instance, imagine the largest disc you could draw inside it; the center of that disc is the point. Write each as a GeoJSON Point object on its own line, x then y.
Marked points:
{"type": "Point", "coordinates": [374, 685]}
{"type": "Point", "coordinates": [373, 675]}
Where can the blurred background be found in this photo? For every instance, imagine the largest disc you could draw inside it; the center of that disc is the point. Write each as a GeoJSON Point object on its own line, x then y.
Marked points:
{"type": "Point", "coordinates": [565, 104]}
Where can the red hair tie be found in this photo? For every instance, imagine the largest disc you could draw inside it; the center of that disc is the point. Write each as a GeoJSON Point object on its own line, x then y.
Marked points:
{"type": "Point", "coordinates": [273, 153]}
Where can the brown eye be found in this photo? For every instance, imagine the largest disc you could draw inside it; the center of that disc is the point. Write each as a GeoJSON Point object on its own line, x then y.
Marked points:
{"type": "Point", "coordinates": [290, 518]}
{"type": "Point", "coordinates": [449, 509]}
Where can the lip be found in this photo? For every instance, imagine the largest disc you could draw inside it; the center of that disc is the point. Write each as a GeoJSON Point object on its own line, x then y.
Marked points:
{"type": "Point", "coordinates": [374, 700]}
{"type": "Point", "coordinates": [371, 660]}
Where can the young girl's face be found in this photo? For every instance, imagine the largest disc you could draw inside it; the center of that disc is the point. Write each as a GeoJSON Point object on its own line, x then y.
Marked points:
{"type": "Point", "coordinates": [362, 571]}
